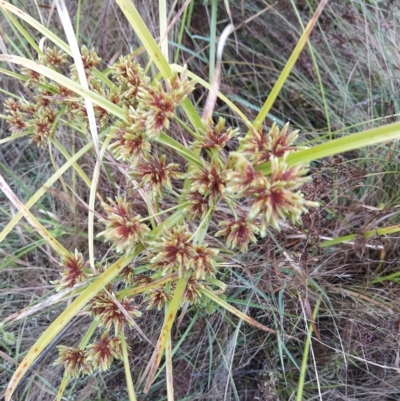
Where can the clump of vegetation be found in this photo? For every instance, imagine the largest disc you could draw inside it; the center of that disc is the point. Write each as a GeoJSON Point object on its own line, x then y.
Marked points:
{"type": "Point", "coordinates": [174, 199]}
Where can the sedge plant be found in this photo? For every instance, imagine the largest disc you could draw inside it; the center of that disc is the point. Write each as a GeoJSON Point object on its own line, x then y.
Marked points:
{"type": "Point", "coordinates": [168, 252]}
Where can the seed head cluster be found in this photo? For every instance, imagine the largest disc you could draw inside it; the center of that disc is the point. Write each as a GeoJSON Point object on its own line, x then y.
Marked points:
{"type": "Point", "coordinates": [74, 270]}
{"type": "Point", "coordinates": [218, 198]}
{"type": "Point", "coordinates": [123, 229]}
{"type": "Point", "coordinates": [112, 313]}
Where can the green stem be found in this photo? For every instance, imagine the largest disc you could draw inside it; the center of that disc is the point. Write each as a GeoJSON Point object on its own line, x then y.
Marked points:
{"type": "Point", "coordinates": [303, 370]}
{"type": "Point", "coordinates": [213, 40]}
{"type": "Point", "coordinates": [165, 331]}
{"type": "Point", "coordinates": [127, 368]}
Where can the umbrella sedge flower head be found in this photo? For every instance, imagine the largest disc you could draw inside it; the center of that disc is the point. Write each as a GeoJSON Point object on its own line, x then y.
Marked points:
{"type": "Point", "coordinates": [102, 115]}
{"type": "Point", "coordinates": [131, 144]}
{"type": "Point", "coordinates": [42, 125]}
{"type": "Point", "coordinates": [141, 279]}
{"type": "Point", "coordinates": [192, 292]}
{"type": "Point", "coordinates": [101, 353]}
{"type": "Point", "coordinates": [198, 205]}
{"type": "Point", "coordinates": [129, 74]}
{"type": "Point", "coordinates": [243, 178]}
{"type": "Point", "coordinates": [157, 298]}
{"type": "Point", "coordinates": [75, 361]}
{"type": "Point", "coordinates": [260, 145]}
{"type": "Point", "coordinates": [156, 105]}
{"type": "Point", "coordinates": [239, 233]}
{"type": "Point", "coordinates": [17, 122]}
{"type": "Point", "coordinates": [278, 198]}
{"type": "Point", "coordinates": [155, 173]}
{"type": "Point", "coordinates": [54, 57]}
{"type": "Point", "coordinates": [12, 105]}
{"type": "Point", "coordinates": [33, 77]}
{"type": "Point", "coordinates": [73, 272]}
{"type": "Point", "coordinates": [128, 274]}
{"type": "Point", "coordinates": [179, 86]}
{"type": "Point", "coordinates": [204, 262]}
{"type": "Point", "coordinates": [123, 229]}
{"type": "Point", "coordinates": [215, 136]}
{"type": "Point", "coordinates": [209, 181]}
{"type": "Point", "coordinates": [108, 313]}
{"type": "Point", "coordinates": [174, 252]}
{"type": "Point", "coordinates": [90, 60]}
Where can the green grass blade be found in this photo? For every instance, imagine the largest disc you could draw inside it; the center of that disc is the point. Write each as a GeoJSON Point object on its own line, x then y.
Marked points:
{"type": "Point", "coordinates": [303, 370]}
{"type": "Point", "coordinates": [370, 137]}
{"type": "Point", "coordinates": [213, 40]}
{"type": "Point", "coordinates": [24, 33]}
{"type": "Point", "coordinates": [127, 368]}
{"type": "Point", "coordinates": [23, 211]}
{"type": "Point", "coordinates": [37, 25]}
{"type": "Point", "coordinates": [289, 65]}
{"type": "Point", "coordinates": [42, 190]}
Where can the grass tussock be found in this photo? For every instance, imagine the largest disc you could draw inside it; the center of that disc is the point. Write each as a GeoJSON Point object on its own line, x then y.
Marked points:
{"type": "Point", "coordinates": [324, 280]}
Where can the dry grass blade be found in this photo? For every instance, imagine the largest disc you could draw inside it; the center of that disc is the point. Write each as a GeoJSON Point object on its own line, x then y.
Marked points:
{"type": "Point", "coordinates": [31, 219]}
{"type": "Point", "coordinates": [213, 94]}
{"type": "Point", "coordinates": [290, 64]}
{"type": "Point", "coordinates": [69, 32]}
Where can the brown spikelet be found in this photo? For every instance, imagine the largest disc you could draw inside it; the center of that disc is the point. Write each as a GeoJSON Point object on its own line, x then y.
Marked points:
{"type": "Point", "coordinates": [74, 270]}
{"type": "Point", "coordinates": [74, 360]}
{"type": "Point", "coordinates": [101, 353]}
{"type": "Point", "coordinates": [123, 228]}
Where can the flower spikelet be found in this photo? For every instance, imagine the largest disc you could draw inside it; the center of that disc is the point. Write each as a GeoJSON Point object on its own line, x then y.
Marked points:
{"type": "Point", "coordinates": [130, 144]}
{"type": "Point", "coordinates": [108, 313]}
{"type": "Point", "coordinates": [33, 77]}
{"type": "Point", "coordinates": [157, 297]}
{"type": "Point", "coordinates": [179, 86]}
{"type": "Point", "coordinates": [198, 205]}
{"type": "Point", "coordinates": [123, 229]}
{"type": "Point", "coordinates": [54, 57]}
{"type": "Point", "coordinates": [204, 262]}
{"type": "Point", "coordinates": [209, 181]}
{"type": "Point", "coordinates": [156, 173]}
{"type": "Point", "coordinates": [74, 270]}
{"type": "Point", "coordinates": [130, 75]}
{"type": "Point", "coordinates": [243, 178]}
{"type": "Point", "coordinates": [74, 360]}
{"type": "Point", "coordinates": [174, 251]}
{"type": "Point", "coordinates": [16, 122]}
{"type": "Point", "coordinates": [192, 292]}
{"type": "Point", "coordinates": [215, 136]}
{"type": "Point", "coordinates": [102, 353]}
{"type": "Point", "coordinates": [262, 145]}
{"type": "Point", "coordinates": [239, 233]}
{"type": "Point", "coordinates": [156, 106]}
{"type": "Point", "coordinates": [278, 198]}
{"type": "Point", "coordinates": [42, 124]}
